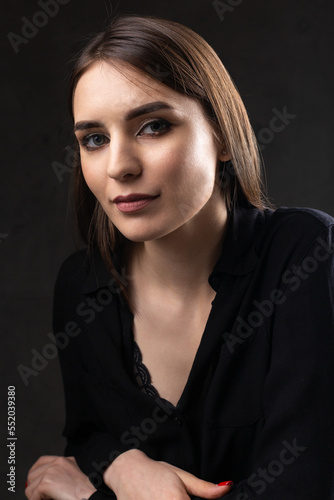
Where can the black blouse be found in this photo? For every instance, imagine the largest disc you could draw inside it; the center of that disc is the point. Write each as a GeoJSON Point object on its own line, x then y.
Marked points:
{"type": "Point", "coordinates": [258, 406]}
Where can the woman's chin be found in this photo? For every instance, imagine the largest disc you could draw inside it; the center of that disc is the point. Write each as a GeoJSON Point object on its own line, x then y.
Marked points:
{"type": "Point", "coordinates": [142, 235]}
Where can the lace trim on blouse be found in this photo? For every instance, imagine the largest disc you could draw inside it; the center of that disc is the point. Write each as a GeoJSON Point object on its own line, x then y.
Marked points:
{"type": "Point", "coordinates": [142, 375]}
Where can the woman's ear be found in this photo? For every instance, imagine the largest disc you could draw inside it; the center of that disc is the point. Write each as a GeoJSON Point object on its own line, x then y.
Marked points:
{"type": "Point", "coordinates": [224, 154]}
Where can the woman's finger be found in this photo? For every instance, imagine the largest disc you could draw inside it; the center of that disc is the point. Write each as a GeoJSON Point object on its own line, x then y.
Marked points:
{"type": "Point", "coordinates": [201, 488]}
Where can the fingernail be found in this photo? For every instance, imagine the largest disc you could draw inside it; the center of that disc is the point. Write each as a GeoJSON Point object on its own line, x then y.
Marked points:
{"type": "Point", "coordinates": [26, 485]}
{"type": "Point", "coordinates": [226, 483]}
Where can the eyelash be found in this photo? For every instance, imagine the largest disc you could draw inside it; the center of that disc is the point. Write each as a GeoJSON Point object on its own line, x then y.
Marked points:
{"type": "Point", "coordinates": [162, 121]}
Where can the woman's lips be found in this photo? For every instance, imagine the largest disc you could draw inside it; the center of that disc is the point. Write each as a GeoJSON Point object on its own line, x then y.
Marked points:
{"type": "Point", "coordinates": [134, 205]}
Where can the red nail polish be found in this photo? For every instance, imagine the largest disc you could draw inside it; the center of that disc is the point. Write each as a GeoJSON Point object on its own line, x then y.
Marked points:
{"type": "Point", "coordinates": [226, 483]}
{"type": "Point", "coordinates": [26, 485]}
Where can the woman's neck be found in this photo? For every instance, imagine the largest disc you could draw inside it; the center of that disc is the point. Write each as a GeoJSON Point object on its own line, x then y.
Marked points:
{"type": "Point", "coordinates": [181, 262]}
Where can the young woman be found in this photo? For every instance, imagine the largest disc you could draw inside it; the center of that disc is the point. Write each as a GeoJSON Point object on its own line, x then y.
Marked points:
{"type": "Point", "coordinates": [196, 340]}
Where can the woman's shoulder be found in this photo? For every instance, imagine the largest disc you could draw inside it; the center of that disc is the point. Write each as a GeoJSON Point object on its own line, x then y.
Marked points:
{"type": "Point", "coordinates": [294, 231]}
{"type": "Point", "coordinates": [297, 223]}
{"type": "Point", "coordinates": [75, 264]}
{"type": "Point", "coordinates": [282, 231]}
{"type": "Point", "coordinates": [301, 217]}
{"type": "Point", "coordinates": [82, 269]}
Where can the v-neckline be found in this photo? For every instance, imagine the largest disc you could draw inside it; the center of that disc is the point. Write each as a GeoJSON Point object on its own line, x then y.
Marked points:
{"type": "Point", "coordinates": [190, 374]}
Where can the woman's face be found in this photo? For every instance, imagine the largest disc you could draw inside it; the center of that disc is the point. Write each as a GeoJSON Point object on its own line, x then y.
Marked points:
{"type": "Point", "coordinates": [139, 137]}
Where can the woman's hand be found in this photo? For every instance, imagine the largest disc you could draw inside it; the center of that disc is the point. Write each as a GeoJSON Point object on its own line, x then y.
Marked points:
{"type": "Point", "coordinates": [134, 476]}
{"type": "Point", "coordinates": [57, 478]}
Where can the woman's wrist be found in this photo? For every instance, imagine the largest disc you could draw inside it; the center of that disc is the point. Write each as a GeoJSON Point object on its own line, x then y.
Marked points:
{"type": "Point", "coordinates": [119, 466]}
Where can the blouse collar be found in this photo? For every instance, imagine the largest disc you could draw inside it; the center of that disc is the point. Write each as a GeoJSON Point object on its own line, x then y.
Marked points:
{"type": "Point", "coordinates": [239, 253]}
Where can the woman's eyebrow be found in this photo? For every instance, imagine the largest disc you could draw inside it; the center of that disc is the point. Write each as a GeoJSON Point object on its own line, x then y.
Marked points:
{"type": "Point", "coordinates": [150, 107]}
{"type": "Point", "coordinates": [130, 115]}
{"type": "Point", "coordinates": [87, 125]}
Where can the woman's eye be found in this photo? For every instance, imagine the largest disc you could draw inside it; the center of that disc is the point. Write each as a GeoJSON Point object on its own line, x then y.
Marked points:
{"type": "Point", "coordinates": [93, 141]}
{"type": "Point", "coordinates": [156, 127]}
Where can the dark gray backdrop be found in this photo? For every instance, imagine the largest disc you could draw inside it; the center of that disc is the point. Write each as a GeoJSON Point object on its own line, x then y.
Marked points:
{"type": "Point", "coordinates": [279, 53]}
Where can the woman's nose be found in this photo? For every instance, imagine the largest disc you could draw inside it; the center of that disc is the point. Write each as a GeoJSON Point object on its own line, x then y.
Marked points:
{"type": "Point", "coordinates": [123, 159]}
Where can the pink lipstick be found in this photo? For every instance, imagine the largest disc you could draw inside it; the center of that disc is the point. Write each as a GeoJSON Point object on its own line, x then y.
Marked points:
{"type": "Point", "coordinates": [133, 202]}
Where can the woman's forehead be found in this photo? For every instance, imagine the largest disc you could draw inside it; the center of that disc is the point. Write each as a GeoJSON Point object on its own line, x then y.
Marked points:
{"type": "Point", "coordinates": [121, 86]}
{"type": "Point", "coordinates": [118, 78]}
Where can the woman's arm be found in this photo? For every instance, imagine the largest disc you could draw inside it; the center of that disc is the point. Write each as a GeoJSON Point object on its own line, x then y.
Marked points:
{"type": "Point", "coordinates": [134, 476]}
{"type": "Point", "coordinates": [59, 478]}
{"type": "Point", "coordinates": [294, 455]}
{"type": "Point", "coordinates": [92, 448]}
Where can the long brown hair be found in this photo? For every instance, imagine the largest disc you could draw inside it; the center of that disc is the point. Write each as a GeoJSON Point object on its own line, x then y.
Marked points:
{"type": "Point", "coordinates": [177, 57]}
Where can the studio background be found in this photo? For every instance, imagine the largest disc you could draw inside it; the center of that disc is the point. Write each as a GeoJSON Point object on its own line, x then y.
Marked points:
{"type": "Point", "coordinates": [278, 52]}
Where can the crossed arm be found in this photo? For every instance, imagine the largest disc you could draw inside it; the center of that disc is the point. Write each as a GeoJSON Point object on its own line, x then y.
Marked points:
{"type": "Point", "coordinates": [133, 476]}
